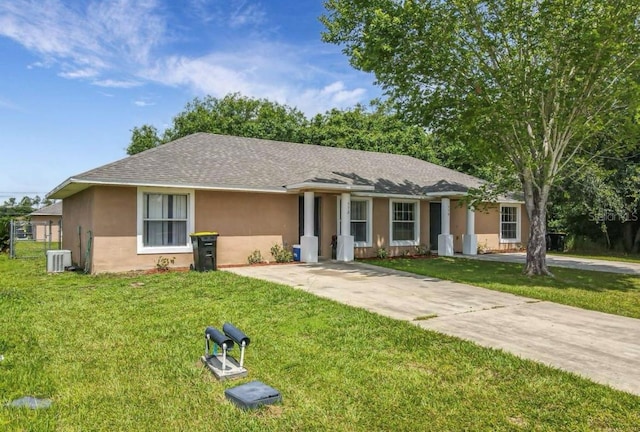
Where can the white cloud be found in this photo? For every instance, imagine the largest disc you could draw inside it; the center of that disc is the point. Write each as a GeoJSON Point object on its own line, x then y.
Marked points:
{"type": "Point", "coordinates": [246, 14]}
{"type": "Point", "coordinates": [142, 103]}
{"type": "Point", "coordinates": [116, 84]}
{"type": "Point", "coordinates": [334, 95]}
{"type": "Point", "coordinates": [7, 104]}
{"type": "Point", "coordinates": [79, 73]}
{"type": "Point", "coordinates": [273, 71]}
{"type": "Point", "coordinates": [97, 35]}
{"type": "Point", "coordinates": [97, 40]}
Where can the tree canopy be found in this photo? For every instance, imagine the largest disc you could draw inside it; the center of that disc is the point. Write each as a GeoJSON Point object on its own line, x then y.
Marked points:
{"type": "Point", "coordinates": [374, 128]}
{"type": "Point", "coordinates": [527, 83]}
{"type": "Point", "coordinates": [232, 115]}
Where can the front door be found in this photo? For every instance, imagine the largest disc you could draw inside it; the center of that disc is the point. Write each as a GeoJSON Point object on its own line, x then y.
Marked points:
{"type": "Point", "coordinates": [435, 224]}
{"type": "Point", "coordinates": [316, 219]}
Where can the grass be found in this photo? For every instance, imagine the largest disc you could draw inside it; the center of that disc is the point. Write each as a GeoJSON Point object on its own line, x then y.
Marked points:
{"type": "Point", "coordinates": [121, 353]}
{"type": "Point", "coordinates": [605, 292]}
{"type": "Point", "coordinates": [606, 256]}
{"type": "Point", "coordinates": [33, 249]}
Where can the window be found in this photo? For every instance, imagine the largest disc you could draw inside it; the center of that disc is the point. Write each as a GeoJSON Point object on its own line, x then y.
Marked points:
{"type": "Point", "coordinates": [509, 224]}
{"type": "Point", "coordinates": [164, 220]}
{"type": "Point", "coordinates": [361, 209]}
{"type": "Point", "coordinates": [405, 225]}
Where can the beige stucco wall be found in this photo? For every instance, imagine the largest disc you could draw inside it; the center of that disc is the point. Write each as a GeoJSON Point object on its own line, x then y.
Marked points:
{"type": "Point", "coordinates": [265, 219]}
{"type": "Point", "coordinates": [380, 230]}
{"type": "Point", "coordinates": [77, 219]}
{"type": "Point", "coordinates": [487, 225]}
{"type": "Point", "coordinates": [488, 228]}
{"type": "Point", "coordinates": [245, 222]}
{"type": "Point", "coordinates": [114, 231]}
{"type": "Point", "coordinates": [41, 227]}
{"type": "Point", "coordinates": [119, 254]}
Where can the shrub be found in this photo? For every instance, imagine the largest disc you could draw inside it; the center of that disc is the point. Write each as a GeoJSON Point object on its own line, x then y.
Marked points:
{"type": "Point", "coordinates": [5, 223]}
{"type": "Point", "coordinates": [483, 248]}
{"type": "Point", "coordinates": [423, 250]}
{"type": "Point", "coordinates": [382, 253]}
{"type": "Point", "coordinates": [281, 254]}
{"type": "Point", "coordinates": [255, 257]}
{"type": "Point", "coordinates": [163, 263]}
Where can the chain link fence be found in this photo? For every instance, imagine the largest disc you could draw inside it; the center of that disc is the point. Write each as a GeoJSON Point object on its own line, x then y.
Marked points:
{"type": "Point", "coordinates": [33, 239]}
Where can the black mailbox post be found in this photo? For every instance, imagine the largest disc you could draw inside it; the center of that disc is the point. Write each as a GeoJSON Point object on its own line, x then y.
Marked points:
{"type": "Point", "coordinates": [204, 251]}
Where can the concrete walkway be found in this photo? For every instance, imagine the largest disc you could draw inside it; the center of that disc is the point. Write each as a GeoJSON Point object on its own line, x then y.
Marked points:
{"type": "Point", "coordinates": [599, 346]}
{"type": "Point", "coordinates": [565, 261]}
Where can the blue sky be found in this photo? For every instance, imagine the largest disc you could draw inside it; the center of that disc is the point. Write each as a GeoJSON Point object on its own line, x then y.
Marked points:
{"type": "Point", "coordinates": [77, 76]}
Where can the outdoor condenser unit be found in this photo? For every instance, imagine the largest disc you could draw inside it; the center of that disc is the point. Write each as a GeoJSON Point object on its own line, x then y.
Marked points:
{"type": "Point", "coordinates": [57, 260]}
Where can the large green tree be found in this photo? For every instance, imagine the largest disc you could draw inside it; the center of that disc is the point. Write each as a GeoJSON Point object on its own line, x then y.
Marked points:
{"type": "Point", "coordinates": [600, 202]}
{"type": "Point", "coordinates": [231, 115]}
{"type": "Point", "coordinates": [528, 81]}
{"type": "Point", "coordinates": [375, 128]}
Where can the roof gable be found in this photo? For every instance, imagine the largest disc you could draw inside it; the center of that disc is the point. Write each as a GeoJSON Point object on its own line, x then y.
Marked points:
{"type": "Point", "coordinates": [205, 161]}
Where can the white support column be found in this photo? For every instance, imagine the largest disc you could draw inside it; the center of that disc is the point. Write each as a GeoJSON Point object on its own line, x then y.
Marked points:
{"type": "Point", "coordinates": [345, 239]}
{"type": "Point", "coordinates": [470, 239]}
{"type": "Point", "coordinates": [309, 242]}
{"type": "Point", "coordinates": [445, 240]}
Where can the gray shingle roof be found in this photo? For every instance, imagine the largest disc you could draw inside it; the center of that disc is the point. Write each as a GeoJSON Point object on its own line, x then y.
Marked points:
{"type": "Point", "coordinates": [54, 209]}
{"type": "Point", "coordinates": [217, 161]}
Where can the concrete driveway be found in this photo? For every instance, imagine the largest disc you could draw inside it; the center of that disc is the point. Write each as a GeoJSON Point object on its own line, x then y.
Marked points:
{"type": "Point", "coordinates": [599, 346]}
{"type": "Point", "coordinates": [564, 261]}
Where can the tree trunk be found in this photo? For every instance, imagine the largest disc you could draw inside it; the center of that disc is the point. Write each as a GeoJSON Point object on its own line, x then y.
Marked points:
{"type": "Point", "coordinates": [535, 200]}
{"type": "Point", "coordinates": [536, 264]}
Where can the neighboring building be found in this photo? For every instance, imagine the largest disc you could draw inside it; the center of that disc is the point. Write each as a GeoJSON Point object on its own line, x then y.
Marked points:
{"type": "Point", "coordinates": [257, 193]}
{"type": "Point", "coordinates": [47, 222]}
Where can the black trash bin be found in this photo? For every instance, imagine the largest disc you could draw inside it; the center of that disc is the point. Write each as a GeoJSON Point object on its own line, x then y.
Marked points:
{"type": "Point", "coordinates": [204, 251]}
{"type": "Point", "coordinates": [556, 241]}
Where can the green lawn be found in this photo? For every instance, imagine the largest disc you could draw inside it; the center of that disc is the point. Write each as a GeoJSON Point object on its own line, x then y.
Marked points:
{"type": "Point", "coordinates": [33, 249]}
{"type": "Point", "coordinates": [121, 353]}
{"type": "Point", "coordinates": [605, 292]}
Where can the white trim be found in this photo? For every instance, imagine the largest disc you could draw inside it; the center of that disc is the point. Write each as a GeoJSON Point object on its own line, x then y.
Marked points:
{"type": "Point", "coordinates": [187, 248]}
{"type": "Point", "coordinates": [518, 223]}
{"type": "Point", "coordinates": [416, 240]}
{"type": "Point", "coordinates": [369, 202]}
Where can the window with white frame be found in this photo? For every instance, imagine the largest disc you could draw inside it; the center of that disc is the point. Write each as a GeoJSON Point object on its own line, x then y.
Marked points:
{"type": "Point", "coordinates": [509, 223]}
{"type": "Point", "coordinates": [361, 227]}
{"type": "Point", "coordinates": [404, 223]}
{"type": "Point", "coordinates": [164, 220]}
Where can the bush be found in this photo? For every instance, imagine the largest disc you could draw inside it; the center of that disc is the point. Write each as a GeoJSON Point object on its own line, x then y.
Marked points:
{"type": "Point", "coordinates": [5, 226]}
{"type": "Point", "coordinates": [281, 254]}
{"type": "Point", "coordinates": [382, 253]}
{"type": "Point", "coordinates": [422, 250]}
{"type": "Point", "coordinates": [255, 257]}
{"type": "Point", "coordinates": [163, 263]}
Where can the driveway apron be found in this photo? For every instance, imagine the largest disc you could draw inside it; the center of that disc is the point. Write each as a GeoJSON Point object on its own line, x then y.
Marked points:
{"type": "Point", "coordinates": [599, 346]}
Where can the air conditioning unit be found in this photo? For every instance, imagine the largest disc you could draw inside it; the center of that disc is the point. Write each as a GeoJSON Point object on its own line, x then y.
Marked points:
{"type": "Point", "coordinates": [57, 260]}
